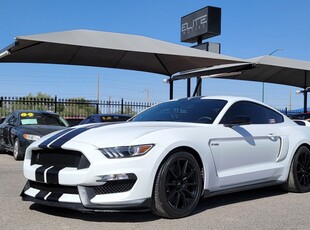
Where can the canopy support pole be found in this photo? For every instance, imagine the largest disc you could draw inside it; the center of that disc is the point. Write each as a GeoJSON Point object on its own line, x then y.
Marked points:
{"type": "Point", "coordinates": [171, 88]}
{"type": "Point", "coordinates": [196, 91]}
{"type": "Point", "coordinates": [305, 101]}
{"type": "Point", "coordinates": [305, 94]}
{"type": "Point", "coordinates": [188, 87]}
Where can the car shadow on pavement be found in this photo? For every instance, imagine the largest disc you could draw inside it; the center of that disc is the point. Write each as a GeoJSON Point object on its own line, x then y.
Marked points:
{"type": "Point", "coordinates": [203, 205]}
{"type": "Point", "coordinates": [238, 197]}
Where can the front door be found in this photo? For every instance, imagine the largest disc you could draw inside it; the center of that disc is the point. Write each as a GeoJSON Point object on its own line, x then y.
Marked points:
{"type": "Point", "coordinates": [248, 145]}
{"type": "Point", "coordinates": [245, 154]}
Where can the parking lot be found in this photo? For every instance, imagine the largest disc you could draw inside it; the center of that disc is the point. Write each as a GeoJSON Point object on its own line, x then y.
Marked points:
{"type": "Point", "coordinates": [268, 208]}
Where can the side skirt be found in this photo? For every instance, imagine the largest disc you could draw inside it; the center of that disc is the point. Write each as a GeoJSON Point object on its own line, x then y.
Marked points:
{"type": "Point", "coordinates": [207, 192]}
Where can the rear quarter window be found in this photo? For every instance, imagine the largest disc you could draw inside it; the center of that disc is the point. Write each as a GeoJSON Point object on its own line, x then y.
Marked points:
{"type": "Point", "coordinates": [274, 117]}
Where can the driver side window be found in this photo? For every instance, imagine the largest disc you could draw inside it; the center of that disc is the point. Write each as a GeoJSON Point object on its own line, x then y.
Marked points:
{"type": "Point", "coordinates": [254, 113]}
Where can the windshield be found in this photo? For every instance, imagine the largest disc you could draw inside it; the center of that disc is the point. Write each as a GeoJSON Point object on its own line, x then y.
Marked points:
{"type": "Point", "coordinates": [195, 110]}
{"type": "Point", "coordinates": [30, 118]}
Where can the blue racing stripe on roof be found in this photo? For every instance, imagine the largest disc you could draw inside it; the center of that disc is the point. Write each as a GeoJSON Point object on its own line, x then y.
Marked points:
{"type": "Point", "coordinates": [45, 143]}
{"type": "Point", "coordinates": [58, 143]}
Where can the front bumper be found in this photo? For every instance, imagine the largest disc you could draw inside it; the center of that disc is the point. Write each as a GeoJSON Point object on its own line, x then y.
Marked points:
{"type": "Point", "coordinates": [72, 200]}
{"type": "Point", "coordinates": [83, 185]}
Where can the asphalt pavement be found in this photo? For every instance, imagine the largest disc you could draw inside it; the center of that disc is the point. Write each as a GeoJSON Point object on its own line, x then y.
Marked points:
{"type": "Point", "coordinates": [267, 208]}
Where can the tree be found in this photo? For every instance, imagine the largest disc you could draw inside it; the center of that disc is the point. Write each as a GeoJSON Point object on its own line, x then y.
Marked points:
{"type": "Point", "coordinates": [78, 107]}
{"type": "Point", "coordinates": [39, 102]}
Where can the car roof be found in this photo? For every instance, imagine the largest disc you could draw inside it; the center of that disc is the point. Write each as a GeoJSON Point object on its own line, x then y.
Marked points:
{"type": "Point", "coordinates": [34, 111]}
{"type": "Point", "coordinates": [111, 115]}
{"type": "Point", "coordinates": [231, 99]}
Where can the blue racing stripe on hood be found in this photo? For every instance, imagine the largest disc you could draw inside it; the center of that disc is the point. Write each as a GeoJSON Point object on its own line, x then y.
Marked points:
{"type": "Point", "coordinates": [45, 143]}
{"type": "Point", "coordinates": [58, 143]}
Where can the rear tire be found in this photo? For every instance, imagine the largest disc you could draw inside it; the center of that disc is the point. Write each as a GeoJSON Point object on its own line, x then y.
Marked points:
{"type": "Point", "coordinates": [299, 175]}
{"type": "Point", "coordinates": [17, 154]}
{"type": "Point", "coordinates": [177, 187]}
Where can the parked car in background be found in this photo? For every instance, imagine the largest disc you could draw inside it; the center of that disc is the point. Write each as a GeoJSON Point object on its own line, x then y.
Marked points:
{"type": "Point", "coordinates": [302, 122]}
{"type": "Point", "coordinates": [74, 120]}
{"type": "Point", "coordinates": [22, 127]}
{"type": "Point", "coordinates": [2, 119]}
{"type": "Point", "coordinates": [300, 116]}
{"type": "Point", "coordinates": [98, 118]}
{"type": "Point", "coordinates": [168, 157]}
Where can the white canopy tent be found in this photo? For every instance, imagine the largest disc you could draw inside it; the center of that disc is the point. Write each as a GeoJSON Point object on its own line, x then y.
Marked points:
{"type": "Point", "coordinates": [112, 50]}
{"type": "Point", "coordinates": [133, 52]}
{"type": "Point", "coordinates": [269, 69]}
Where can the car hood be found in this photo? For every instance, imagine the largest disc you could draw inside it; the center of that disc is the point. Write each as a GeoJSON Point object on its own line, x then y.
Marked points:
{"type": "Point", "coordinates": [115, 134]}
{"type": "Point", "coordinates": [40, 130]}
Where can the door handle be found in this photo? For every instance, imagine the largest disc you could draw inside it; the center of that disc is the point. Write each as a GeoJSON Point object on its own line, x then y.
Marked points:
{"type": "Point", "coordinates": [273, 136]}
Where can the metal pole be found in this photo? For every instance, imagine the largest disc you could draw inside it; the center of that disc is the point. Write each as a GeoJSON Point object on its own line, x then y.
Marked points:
{"type": "Point", "coordinates": [263, 92]}
{"type": "Point", "coordinates": [305, 93]}
{"type": "Point", "coordinates": [305, 100]}
{"type": "Point", "coordinates": [98, 88]}
{"type": "Point", "coordinates": [199, 82]}
{"type": "Point", "coordinates": [188, 87]}
{"type": "Point", "coordinates": [55, 104]}
{"type": "Point", "coordinates": [171, 88]}
{"type": "Point", "coordinates": [197, 87]}
{"type": "Point", "coordinates": [122, 108]}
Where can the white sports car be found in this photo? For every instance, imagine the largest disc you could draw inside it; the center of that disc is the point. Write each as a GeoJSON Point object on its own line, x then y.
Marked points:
{"type": "Point", "coordinates": [168, 157]}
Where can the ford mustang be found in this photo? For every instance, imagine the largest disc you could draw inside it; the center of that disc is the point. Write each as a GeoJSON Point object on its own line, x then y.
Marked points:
{"type": "Point", "coordinates": [166, 158]}
{"type": "Point", "coordinates": [22, 127]}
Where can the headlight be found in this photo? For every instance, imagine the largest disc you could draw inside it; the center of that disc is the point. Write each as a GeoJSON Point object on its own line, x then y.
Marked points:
{"type": "Point", "coordinates": [126, 151]}
{"type": "Point", "coordinates": [31, 137]}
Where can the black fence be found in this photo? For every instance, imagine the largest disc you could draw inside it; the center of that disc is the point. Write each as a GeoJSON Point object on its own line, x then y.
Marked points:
{"type": "Point", "coordinates": [80, 108]}
{"type": "Point", "coordinates": [291, 112]}
{"type": "Point", "coordinates": [70, 107]}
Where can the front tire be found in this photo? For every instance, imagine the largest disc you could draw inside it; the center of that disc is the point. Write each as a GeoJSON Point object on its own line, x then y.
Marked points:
{"type": "Point", "coordinates": [299, 175]}
{"type": "Point", "coordinates": [17, 154]}
{"type": "Point", "coordinates": [177, 187]}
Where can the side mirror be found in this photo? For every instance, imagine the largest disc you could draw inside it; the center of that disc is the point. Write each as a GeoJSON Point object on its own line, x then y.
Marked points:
{"type": "Point", "coordinates": [238, 120]}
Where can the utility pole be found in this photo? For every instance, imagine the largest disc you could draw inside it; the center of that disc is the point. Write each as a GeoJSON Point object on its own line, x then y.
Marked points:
{"type": "Point", "coordinates": [109, 110]}
{"type": "Point", "coordinates": [98, 88]}
{"type": "Point", "coordinates": [147, 95]}
{"type": "Point", "coordinates": [290, 100]}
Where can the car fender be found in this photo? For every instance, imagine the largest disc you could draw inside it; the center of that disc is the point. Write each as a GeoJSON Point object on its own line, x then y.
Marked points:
{"type": "Point", "coordinates": [288, 160]}
{"type": "Point", "coordinates": [166, 148]}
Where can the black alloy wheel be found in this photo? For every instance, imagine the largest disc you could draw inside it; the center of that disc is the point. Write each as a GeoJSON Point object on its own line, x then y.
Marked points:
{"type": "Point", "coordinates": [299, 175]}
{"type": "Point", "coordinates": [178, 186]}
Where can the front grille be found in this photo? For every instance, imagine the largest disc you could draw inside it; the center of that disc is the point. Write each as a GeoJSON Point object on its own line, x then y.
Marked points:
{"type": "Point", "coordinates": [59, 158]}
{"type": "Point", "coordinates": [54, 188]}
{"type": "Point", "coordinates": [114, 187]}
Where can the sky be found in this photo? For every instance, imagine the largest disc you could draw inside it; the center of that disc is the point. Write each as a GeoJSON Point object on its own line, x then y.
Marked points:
{"type": "Point", "coordinates": [249, 28]}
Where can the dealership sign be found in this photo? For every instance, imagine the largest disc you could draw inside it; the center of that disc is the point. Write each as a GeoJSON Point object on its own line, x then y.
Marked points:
{"type": "Point", "coordinates": [202, 24]}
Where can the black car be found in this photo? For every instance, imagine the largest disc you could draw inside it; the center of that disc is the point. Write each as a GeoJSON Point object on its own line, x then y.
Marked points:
{"type": "Point", "coordinates": [97, 118]}
{"type": "Point", "coordinates": [73, 121]}
{"type": "Point", "coordinates": [301, 116]}
{"type": "Point", "coordinates": [22, 127]}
